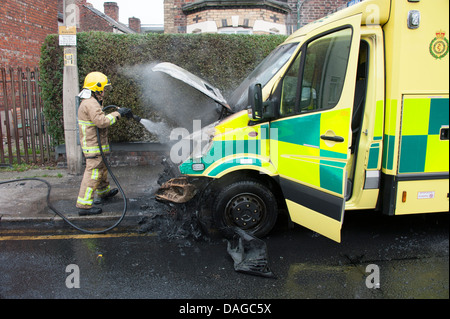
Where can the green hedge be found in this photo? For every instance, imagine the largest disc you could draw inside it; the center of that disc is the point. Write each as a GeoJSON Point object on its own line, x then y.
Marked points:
{"type": "Point", "coordinates": [222, 60]}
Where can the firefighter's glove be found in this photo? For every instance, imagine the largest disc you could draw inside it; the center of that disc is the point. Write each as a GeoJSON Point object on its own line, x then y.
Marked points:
{"type": "Point", "coordinates": [123, 111]}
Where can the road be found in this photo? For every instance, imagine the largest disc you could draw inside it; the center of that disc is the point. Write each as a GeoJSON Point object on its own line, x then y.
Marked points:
{"type": "Point", "coordinates": [380, 257]}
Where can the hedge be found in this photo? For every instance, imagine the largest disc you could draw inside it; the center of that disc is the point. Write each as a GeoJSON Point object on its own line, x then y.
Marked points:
{"type": "Point", "coordinates": [222, 60]}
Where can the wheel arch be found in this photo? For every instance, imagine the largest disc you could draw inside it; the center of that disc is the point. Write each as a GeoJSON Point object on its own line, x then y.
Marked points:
{"type": "Point", "coordinates": [270, 182]}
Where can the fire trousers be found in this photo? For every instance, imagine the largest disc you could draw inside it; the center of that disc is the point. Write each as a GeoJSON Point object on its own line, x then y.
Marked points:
{"type": "Point", "coordinates": [95, 179]}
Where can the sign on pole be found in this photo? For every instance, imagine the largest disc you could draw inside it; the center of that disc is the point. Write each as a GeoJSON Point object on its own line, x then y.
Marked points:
{"type": "Point", "coordinates": [68, 36]}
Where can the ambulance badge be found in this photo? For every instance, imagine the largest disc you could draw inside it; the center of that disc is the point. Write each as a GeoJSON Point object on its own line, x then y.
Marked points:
{"type": "Point", "coordinates": [439, 45]}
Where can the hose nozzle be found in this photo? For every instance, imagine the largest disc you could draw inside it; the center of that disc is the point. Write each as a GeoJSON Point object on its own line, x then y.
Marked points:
{"type": "Point", "coordinates": [136, 118]}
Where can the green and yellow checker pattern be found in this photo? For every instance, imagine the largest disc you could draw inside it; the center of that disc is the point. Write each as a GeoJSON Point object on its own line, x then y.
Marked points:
{"type": "Point", "coordinates": [390, 136]}
{"type": "Point", "coordinates": [304, 157]}
{"type": "Point", "coordinates": [234, 149]}
{"type": "Point", "coordinates": [422, 150]}
{"type": "Point", "coordinates": [374, 161]}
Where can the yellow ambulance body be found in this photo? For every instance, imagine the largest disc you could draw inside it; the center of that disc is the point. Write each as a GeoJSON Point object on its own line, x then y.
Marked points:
{"type": "Point", "coordinates": [356, 116]}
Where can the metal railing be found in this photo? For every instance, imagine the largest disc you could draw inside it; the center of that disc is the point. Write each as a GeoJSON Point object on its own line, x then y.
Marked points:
{"type": "Point", "coordinates": [22, 123]}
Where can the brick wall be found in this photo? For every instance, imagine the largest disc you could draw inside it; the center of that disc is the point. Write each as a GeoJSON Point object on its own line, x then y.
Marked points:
{"type": "Point", "coordinates": [311, 10]}
{"type": "Point", "coordinates": [126, 154]}
{"type": "Point", "coordinates": [23, 28]}
{"type": "Point", "coordinates": [90, 21]}
{"type": "Point", "coordinates": [174, 18]}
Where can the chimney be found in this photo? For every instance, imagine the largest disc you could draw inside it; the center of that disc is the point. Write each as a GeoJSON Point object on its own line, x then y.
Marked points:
{"type": "Point", "coordinates": [111, 9]}
{"type": "Point", "coordinates": [134, 24]}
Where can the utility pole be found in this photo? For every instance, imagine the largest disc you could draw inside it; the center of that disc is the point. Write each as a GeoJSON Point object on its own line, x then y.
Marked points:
{"type": "Point", "coordinates": [299, 5]}
{"type": "Point", "coordinates": [67, 38]}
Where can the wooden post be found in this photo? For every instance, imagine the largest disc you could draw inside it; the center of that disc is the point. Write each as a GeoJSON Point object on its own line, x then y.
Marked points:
{"type": "Point", "coordinates": [71, 89]}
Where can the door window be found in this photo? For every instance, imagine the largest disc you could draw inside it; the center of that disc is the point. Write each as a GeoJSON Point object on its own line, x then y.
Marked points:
{"type": "Point", "coordinates": [322, 76]}
{"type": "Point", "coordinates": [290, 87]}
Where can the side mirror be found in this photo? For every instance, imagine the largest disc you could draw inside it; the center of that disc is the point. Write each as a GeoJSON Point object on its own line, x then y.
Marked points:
{"type": "Point", "coordinates": [255, 100]}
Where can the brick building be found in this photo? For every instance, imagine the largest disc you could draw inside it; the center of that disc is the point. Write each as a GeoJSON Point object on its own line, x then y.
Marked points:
{"type": "Point", "coordinates": [311, 10]}
{"type": "Point", "coordinates": [244, 16]}
{"type": "Point", "coordinates": [225, 16]}
{"type": "Point", "coordinates": [25, 24]}
{"type": "Point", "coordinates": [92, 19]}
{"type": "Point", "coordinates": [23, 27]}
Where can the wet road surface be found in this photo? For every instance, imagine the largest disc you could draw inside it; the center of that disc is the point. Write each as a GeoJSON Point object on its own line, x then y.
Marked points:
{"type": "Point", "coordinates": [380, 257]}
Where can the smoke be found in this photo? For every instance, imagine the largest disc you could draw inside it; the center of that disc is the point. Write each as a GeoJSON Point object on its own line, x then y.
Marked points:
{"type": "Point", "coordinates": [172, 100]}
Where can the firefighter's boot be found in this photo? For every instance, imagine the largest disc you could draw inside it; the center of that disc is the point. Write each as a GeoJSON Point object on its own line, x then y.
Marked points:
{"type": "Point", "coordinates": [100, 200]}
{"type": "Point", "coordinates": [90, 211]}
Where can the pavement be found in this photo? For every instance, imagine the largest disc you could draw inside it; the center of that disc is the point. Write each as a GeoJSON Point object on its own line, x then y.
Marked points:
{"type": "Point", "coordinates": [27, 200]}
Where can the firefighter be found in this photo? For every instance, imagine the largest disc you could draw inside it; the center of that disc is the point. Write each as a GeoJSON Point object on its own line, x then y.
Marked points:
{"type": "Point", "coordinates": [91, 117]}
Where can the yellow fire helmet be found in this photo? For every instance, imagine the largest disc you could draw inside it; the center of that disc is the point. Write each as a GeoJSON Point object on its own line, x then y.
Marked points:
{"type": "Point", "coordinates": [96, 82]}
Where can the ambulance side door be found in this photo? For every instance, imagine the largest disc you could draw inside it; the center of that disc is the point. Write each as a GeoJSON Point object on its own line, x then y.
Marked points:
{"type": "Point", "coordinates": [311, 146]}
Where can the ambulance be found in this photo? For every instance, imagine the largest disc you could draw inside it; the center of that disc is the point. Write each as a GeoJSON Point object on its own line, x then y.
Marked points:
{"type": "Point", "coordinates": [351, 112]}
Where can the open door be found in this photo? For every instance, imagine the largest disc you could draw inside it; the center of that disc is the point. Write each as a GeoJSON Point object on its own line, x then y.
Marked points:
{"type": "Point", "coordinates": [313, 126]}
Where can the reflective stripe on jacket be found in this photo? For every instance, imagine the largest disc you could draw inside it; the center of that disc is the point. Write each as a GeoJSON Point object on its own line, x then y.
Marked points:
{"type": "Point", "coordinates": [91, 116]}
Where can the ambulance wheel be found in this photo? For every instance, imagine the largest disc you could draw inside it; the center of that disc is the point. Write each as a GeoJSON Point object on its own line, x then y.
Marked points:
{"type": "Point", "coordinates": [248, 205]}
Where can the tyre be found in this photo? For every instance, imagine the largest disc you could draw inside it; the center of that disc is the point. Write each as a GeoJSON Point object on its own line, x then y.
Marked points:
{"type": "Point", "coordinates": [248, 205]}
